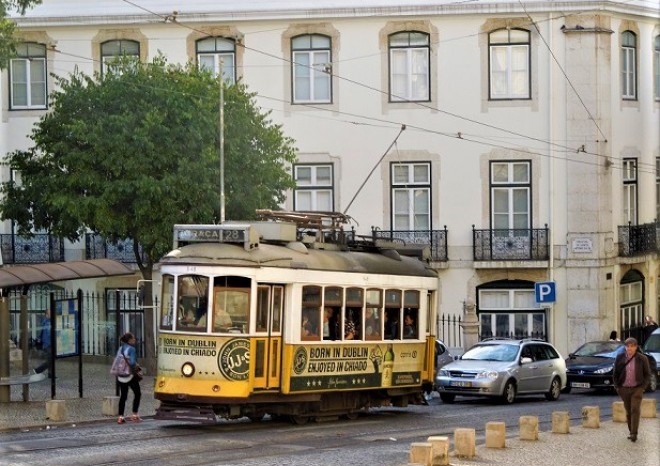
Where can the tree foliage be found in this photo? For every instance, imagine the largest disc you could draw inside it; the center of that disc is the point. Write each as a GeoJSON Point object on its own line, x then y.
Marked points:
{"type": "Point", "coordinates": [7, 42]}
{"type": "Point", "coordinates": [129, 154]}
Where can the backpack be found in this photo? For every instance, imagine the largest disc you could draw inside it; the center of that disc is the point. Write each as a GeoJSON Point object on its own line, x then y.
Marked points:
{"type": "Point", "coordinates": [120, 365]}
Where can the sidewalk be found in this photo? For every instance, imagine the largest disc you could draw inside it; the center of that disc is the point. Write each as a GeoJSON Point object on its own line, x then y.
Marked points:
{"type": "Point", "coordinates": [606, 445]}
{"type": "Point", "coordinates": [97, 383]}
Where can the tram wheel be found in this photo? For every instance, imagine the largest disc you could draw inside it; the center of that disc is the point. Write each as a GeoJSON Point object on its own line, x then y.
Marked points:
{"type": "Point", "coordinates": [351, 416]}
{"type": "Point", "coordinates": [299, 420]}
{"type": "Point", "coordinates": [256, 417]}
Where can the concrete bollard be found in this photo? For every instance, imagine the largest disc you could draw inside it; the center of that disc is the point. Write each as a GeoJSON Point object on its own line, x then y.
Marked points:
{"type": "Point", "coordinates": [529, 428]}
{"type": "Point", "coordinates": [465, 442]}
{"type": "Point", "coordinates": [560, 422]}
{"type": "Point", "coordinates": [110, 406]}
{"type": "Point", "coordinates": [421, 452]}
{"type": "Point", "coordinates": [618, 412]}
{"type": "Point", "coordinates": [56, 410]}
{"type": "Point", "coordinates": [591, 417]}
{"type": "Point", "coordinates": [649, 407]}
{"type": "Point", "coordinates": [495, 434]}
{"type": "Point", "coordinates": [440, 448]}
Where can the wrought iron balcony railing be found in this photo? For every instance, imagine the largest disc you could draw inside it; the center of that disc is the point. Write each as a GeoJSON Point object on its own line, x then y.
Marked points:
{"type": "Point", "coordinates": [435, 240]}
{"type": "Point", "coordinates": [639, 239]}
{"type": "Point", "coordinates": [97, 247]}
{"type": "Point", "coordinates": [520, 244]}
{"type": "Point", "coordinates": [40, 248]}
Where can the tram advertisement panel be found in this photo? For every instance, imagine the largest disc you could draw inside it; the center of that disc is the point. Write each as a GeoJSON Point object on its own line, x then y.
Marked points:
{"type": "Point", "coordinates": [333, 367]}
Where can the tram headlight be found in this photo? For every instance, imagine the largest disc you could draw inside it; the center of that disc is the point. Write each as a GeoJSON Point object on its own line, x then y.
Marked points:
{"type": "Point", "coordinates": [188, 369]}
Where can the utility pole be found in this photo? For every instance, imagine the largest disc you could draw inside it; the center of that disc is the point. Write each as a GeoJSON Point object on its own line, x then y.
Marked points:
{"type": "Point", "coordinates": [222, 143]}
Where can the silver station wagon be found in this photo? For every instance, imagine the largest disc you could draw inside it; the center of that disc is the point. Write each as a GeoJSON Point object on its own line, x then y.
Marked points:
{"type": "Point", "coordinates": [504, 369]}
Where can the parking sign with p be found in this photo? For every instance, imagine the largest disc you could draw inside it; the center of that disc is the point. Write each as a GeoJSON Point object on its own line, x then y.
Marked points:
{"type": "Point", "coordinates": [545, 292]}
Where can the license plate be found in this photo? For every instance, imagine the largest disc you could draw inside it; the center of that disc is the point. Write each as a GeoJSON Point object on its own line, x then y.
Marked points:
{"type": "Point", "coordinates": [461, 384]}
{"type": "Point", "coordinates": [580, 385]}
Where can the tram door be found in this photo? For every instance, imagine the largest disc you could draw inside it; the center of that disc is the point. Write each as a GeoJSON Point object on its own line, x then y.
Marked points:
{"type": "Point", "coordinates": [268, 344]}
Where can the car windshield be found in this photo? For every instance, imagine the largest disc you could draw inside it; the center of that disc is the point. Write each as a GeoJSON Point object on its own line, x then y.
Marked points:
{"type": "Point", "coordinates": [501, 352]}
{"type": "Point", "coordinates": [652, 345]}
{"type": "Point", "coordinates": [600, 349]}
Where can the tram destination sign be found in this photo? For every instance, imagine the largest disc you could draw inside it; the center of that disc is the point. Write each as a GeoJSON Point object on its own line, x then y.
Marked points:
{"type": "Point", "coordinates": [236, 233]}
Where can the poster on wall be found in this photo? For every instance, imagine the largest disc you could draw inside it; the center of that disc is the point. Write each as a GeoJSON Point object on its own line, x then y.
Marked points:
{"type": "Point", "coordinates": [66, 327]}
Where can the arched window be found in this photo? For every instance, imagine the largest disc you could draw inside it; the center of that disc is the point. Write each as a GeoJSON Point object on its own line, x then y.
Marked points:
{"type": "Point", "coordinates": [218, 54]}
{"type": "Point", "coordinates": [311, 68]}
{"type": "Point", "coordinates": [628, 65]}
{"type": "Point", "coordinates": [409, 66]}
{"type": "Point", "coordinates": [509, 64]}
{"type": "Point", "coordinates": [656, 68]}
{"type": "Point", "coordinates": [112, 50]}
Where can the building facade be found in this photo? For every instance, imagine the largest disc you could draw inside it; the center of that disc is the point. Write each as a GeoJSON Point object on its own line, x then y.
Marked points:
{"type": "Point", "coordinates": [513, 143]}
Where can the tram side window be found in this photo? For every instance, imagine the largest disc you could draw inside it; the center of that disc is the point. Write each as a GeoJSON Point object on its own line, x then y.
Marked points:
{"type": "Point", "coordinates": [192, 305]}
{"type": "Point", "coordinates": [333, 300]}
{"type": "Point", "coordinates": [311, 313]}
{"type": "Point", "coordinates": [167, 303]}
{"type": "Point", "coordinates": [411, 315]}
{"type": "Point", "coordinates": [353, 317]}
{"type": "Point", "coordinates": [393, 314]}
{"type": "Point", "coordinates": [373, 320]}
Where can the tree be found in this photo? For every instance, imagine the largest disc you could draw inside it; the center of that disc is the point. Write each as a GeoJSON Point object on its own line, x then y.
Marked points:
{"type": "Point", "coordinates": [7, 42]}
{"type": "Point", "coordinates": [129, 154]}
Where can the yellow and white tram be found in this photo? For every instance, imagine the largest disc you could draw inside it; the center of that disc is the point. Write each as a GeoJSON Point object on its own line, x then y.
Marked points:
{"type": "Point", "coordinates": [256, 319]}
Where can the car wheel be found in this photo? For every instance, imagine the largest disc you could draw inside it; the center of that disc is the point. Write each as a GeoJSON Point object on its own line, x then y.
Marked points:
{"type": "Point", "coordinates": [653, 383]}
{"type": "Point", "coordinates": [509, 393]}
{"type": "Point", "coordinates": [555, 390]}
{"type": "Point", "coordinates": [447, 397]}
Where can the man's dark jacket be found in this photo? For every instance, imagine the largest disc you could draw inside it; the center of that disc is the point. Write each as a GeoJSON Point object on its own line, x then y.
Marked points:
{"type": "Point", "coordinates": [642, 370]}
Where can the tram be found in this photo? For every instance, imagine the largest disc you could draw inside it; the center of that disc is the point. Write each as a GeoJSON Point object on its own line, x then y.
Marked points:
{"type": "Point", "coordinates": [292, 319]}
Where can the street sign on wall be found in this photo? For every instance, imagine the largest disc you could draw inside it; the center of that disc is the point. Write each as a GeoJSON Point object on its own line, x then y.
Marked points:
{"type": "Point", "coordinates": [545, 292]}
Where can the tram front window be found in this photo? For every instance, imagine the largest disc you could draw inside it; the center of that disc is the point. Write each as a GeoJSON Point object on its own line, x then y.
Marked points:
{"type": "Point", "coordinates": [192, 304]}
{"type": "Point", "coordinates": [230, 310]}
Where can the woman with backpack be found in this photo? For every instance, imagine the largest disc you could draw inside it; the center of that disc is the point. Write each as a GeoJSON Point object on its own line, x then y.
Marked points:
{"type": "Point", "coordinates": [128, 378]}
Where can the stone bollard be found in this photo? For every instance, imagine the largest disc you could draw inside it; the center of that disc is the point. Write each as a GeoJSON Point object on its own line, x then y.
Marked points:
{"type": "Point", "coordinates": [529, 428]}
{"type": "Point", "coordinates": [591, 417]}
{"type": "Point", "coordinates": [495, 434]}
{"type": "Point", "coordinates": [56, 410]}
{"type": "Point", "coordinates": [649, 407]}
{"type": "Point", "coordinates": [465, 442]}
{"type": "Point", "coordinates": [618, 412]}
{"type": "Point", "coordinates": [560, 422]}
{"type": "Point", "coordinates": [110, 406]}
{"type": "Point", "coordinates": [421, 452]}
{"type": "Point", "coordinates": [440, 447]}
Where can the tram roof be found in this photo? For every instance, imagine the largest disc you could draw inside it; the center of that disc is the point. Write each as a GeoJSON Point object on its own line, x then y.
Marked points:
{"type": "Point", "coordinates": [297, 256]}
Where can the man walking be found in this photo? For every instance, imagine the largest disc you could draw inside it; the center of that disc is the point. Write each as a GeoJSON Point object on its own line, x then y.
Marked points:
{"type": "Point", "coordinates": [632, 373]}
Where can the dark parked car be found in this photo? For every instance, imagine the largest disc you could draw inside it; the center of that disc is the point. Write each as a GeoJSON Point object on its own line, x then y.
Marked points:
{"type": "Point", "coordinates": [592, 364]}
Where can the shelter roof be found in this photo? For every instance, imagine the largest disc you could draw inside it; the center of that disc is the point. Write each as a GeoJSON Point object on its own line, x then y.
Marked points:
{"type": "Point", "coordinates": [23, 275]}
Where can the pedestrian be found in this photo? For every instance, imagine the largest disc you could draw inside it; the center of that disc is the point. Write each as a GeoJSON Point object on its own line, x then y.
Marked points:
{"type": "Point", "coordinates": [131, 381]}
{"type": "Point", "coordinates": [632, 373]}
{"type": "Point", "coordinates": [45, 347]}
{"type": "Point", "coordinates": [649, 326]}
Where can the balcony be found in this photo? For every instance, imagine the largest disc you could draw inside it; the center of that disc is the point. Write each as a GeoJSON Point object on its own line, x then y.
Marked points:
{"type": "Point", "coordinates": [97, 247]}
{"type": "Point", "coordinates": [636, 240]}
{"type": "Point", "coordinates": [521, 244]}
{"type": "Point", "coordinates": [415, 241]}
{"type": "Point", "coordinates": [37, 249]}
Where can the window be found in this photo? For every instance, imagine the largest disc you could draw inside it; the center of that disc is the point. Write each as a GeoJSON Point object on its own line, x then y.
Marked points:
{"type": "Point", "coordinates": [510, 195]}
{"type": "Point", "coordinates": [218, 54]}
{"type": "Point", "coordinates": [311, 67]}
{"type": "Point", "coordinates": [409, 67]}
{"type": "Point", "coordinates": [167, 303]}
{"type": "Point", "coordinates": [113, 49]}
{"type": "Point", "coordinates": [510, 313]}
{"type": "Point", "coordinates": [28, 76]}
{"type": "Point", "coordinates": [509, 60]}
{"type": "Point", "coordinates": [314, 190]}
{"type": "Point", "coordinates": [628, 71]}
{"type": "Point", "coordinates": [630, 191]}
{"type": "Point", "coordinates": [411, 196]}
{"type": "Point", "coordinates": [656, 68]}
{"type": "Point", "coordinates": [192, 307]}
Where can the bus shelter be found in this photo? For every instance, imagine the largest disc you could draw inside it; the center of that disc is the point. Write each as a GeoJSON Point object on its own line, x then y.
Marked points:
{"type": "Point", "coordinates": [22, 277]}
